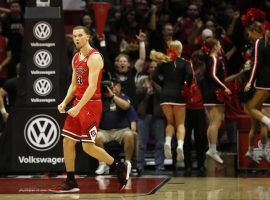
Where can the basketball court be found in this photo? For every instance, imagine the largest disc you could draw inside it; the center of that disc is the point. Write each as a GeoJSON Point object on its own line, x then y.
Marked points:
{"type": "Point", "coordinates": [145, 187]}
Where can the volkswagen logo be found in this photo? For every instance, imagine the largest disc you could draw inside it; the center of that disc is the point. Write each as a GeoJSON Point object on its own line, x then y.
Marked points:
{"type": "Point", "coordinates": [42, 58]}
{"type": "Point", "coordinates": [42, 132]}
{"type": "Point", "coordinates": [42, 86]}
{"type": "Point", "coordinates": [42, 30]}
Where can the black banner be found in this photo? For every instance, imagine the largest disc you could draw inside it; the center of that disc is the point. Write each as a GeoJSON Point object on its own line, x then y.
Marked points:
{"type": "Point", "coordinates": [36, 143]}
{"type": "Point", "coordinates": [43, 75]}
{"type": "Point", "coordinates": [53, 3]}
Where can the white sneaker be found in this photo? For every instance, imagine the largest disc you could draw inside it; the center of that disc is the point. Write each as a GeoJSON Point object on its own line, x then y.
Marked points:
{"type": "Point", "coordinates": [167, 151]}
{"type": "Point", "coordinates": [128, 170]}
{"type": "Point", "coordinates": [250, 155]}
{"type": "Point", "coordinates": [102, 169]}
{"type": "Point", "coordinates": [215, 156]}
{"type": "Point", "coordinates": [180, 154]}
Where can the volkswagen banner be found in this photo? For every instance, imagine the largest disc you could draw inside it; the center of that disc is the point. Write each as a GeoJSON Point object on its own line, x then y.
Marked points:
{"type": "Point", "coordinates": [36, 142]}
{"type": "Point", "coordinates": [43, 77]}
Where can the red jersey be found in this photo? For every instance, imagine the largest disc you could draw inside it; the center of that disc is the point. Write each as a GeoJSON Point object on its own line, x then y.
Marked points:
{"type": "Point", "coordinates": [3, 55]}
{"type": "Point", "coordinates": [82, 73]}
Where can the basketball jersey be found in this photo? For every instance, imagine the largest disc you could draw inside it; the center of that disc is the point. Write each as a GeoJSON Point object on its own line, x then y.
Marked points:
{"type": "Point", "coordinates": [82, 73]}
{"type": "Point", "coordinates": [3, 55]}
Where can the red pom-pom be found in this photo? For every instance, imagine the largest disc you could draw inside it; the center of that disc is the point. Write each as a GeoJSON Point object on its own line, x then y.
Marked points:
{"type": "Point", "coordinates": [172, 54]}
{"type": "Point", "coordinates": [266, 26]}
{"type": "Point", "coordinates": [205, 49]}
{"type": "Point", "coordinates": [223, 96]}
{"type": "Point", "coordinates": [252, 15]}
{"type": "Point", "coordinates": [185, 92]}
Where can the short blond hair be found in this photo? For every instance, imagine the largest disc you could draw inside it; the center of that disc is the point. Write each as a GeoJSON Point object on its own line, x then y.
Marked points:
{"type": "Point", "coordinates": [176, 45]}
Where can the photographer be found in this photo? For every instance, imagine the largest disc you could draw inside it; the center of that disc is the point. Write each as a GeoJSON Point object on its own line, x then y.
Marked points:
{"type": "Point", "coordinates": [115, 123]}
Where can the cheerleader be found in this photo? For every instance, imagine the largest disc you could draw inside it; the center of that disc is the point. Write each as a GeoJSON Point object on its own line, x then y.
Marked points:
{"type": "Point", "coordinates": [214, 76]}
{"type": "Point", "coordinates": [174, 71]}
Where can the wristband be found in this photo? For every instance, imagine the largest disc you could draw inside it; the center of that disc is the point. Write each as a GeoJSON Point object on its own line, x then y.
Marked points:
{"type": "Point", "coordinates": [102, 43]}
{"type": "Point", "coordinates": [142, 45]}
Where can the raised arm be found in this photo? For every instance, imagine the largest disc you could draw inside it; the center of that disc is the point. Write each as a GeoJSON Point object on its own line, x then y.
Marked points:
{"type": "Point", "coordinates": [142, 53]}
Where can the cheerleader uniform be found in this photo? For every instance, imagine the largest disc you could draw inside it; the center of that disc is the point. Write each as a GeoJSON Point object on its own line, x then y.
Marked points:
{"type": "Point", "coordinates": [173, 74]}
{"type": "Point", "coordinates": [261, 69]}
{"type": "Point", "coordinates": [214, 76]}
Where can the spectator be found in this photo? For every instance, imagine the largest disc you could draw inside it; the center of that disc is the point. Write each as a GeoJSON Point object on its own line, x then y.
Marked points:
{"type": "Point", "coordinates": [13, 24]}
{"type": "Point", "coordinates": [123, 70]}
{"type": "Point", "coordinates": [114, 124]}
{"type": "Point", "coordinates": [187, 29]}
{"type": "Point", "coordinates": [151, 118]}
{"type": "Point", "coordinates": [195, 121]}
{"type": "Point", "coordinates": [5, 56]}
{"type": "Point", "coordinates": [8, 94]}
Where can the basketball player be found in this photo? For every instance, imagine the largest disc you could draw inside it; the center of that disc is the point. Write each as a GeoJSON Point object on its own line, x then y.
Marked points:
{"type": "Point", "coordinates": [83, 118]}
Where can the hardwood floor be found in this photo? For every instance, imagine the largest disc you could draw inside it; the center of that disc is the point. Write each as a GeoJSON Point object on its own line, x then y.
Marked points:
{"type": "Point", "coordinates": [209, 188]}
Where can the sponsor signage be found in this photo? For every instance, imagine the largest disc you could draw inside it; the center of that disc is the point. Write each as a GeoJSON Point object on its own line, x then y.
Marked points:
{"type": "Point", "coordinates": [37, 146]}
{"type": "Point", "coordinates": [41, 132]}
{"type": "Point", "coordinates": [42, 82]}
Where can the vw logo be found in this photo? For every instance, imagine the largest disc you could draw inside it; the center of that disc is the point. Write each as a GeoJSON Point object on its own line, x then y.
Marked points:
{"type": "Point", "coordinates": [42, 132]}
{"type": "Point", "coordinates": [42, 58]}
{"type": "Point", "coordinates": [42, 30]}
{"type": "Point", "coordinates": [42, 86]}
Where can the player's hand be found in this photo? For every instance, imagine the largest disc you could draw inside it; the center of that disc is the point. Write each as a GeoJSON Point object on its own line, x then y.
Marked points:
{"type": "Point", "coordinates": [74, 111]}
{"type": "Point", "coordinates": [61, 107]}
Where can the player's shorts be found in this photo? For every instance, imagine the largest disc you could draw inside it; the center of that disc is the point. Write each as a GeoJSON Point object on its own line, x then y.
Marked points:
{"type": "Point", "coordinates": [84, 126]}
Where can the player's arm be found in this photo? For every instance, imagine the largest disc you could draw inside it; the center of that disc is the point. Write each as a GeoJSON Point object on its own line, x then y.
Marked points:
{"type": "Point", "coordinates": [95, 65]}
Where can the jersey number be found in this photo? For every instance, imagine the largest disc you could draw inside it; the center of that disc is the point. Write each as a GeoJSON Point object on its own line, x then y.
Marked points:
{"type": "Point", "coordinates": [79, 80]}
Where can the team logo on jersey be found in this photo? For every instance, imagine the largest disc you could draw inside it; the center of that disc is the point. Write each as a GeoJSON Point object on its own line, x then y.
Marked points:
{"type": "Point", "coordinates": [93, 133]}
{"type": "Point", "coordinates": [42, 86]}
{"type": "Point", "coordinates": [42, 58]}
{"type": "Point", "coordinates": [42, 30]}
{"type": "Point", "coordinates": [42, 132]}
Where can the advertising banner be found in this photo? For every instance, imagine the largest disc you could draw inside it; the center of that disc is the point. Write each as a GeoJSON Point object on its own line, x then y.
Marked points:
{"type": "Point", "coordinates": [37, 145]}
{"type": "Point", "coordinates": [42, 81]}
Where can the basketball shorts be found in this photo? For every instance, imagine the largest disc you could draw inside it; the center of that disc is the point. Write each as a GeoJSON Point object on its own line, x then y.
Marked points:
{"type": "Point", "coordinates": [84, 126]}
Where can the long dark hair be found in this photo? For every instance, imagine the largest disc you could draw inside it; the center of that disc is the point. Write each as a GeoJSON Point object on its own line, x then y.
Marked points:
{"type": "Point", "coordinates": [198, 59]}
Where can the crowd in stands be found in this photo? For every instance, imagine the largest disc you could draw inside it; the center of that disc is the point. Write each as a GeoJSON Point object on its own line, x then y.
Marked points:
{"type": "Point", "coordinates": [135, 28]}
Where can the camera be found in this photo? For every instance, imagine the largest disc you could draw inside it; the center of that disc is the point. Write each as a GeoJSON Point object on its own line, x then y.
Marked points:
{"type": "Point", "coordinates": [105, 84]}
